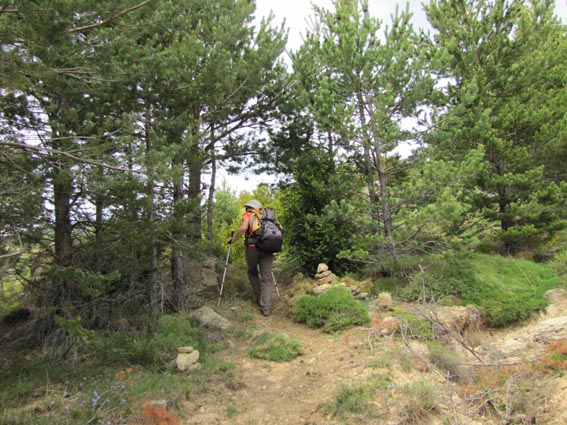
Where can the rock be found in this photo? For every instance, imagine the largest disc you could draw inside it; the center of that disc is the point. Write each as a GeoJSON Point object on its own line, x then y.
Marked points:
{"type": "Point", "coordinates": [355, 290]}
{"type": "Point", "coordinates": [162, 404]}
{"type": "Point", "coordinates": [557, 302]}
{"type": "Point", "coordinates": [328, 279]}
{"type": "Point", "coordinates": [455, 319]}
{"type": "Point", "coordinates": [186, 350]}
{"type": "Point", "coordinates": [556, 295]}
{"type": "Point", "coordinates": [322, 268]}
{"type": "Point", "coordinates": [323, 274]}
{"type": "Point", "coordinates": [551, 329]}
{"type": "Point", "coordinates": [208, 318]}
{"type": "Point", "coordinates": [318, 290]}
{"type": "Point", "coordinates": [210, 275]}
{"type": "Point", "coordinates": [121, 325]}
{"type": "Point", "coordinates": [387, 326]}
{"type": "Point", "coordinates": [187, 361]}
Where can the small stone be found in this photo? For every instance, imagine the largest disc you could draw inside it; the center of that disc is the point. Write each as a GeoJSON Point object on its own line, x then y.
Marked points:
{"type": "Point", "coordinates": [323, 274]}
{"type": "Point", "coordinates": [327, 279]}
{"type": "Point", "coordinates": [318, 290]}
{"type": "Point", "coordinates": [322, 268]}
{"type": "Point", "coordinates": [354, 289]}
{"type": "Point", "coordinates": [185, 350]}
{"type": "Point", "coordinates": [185, 361]}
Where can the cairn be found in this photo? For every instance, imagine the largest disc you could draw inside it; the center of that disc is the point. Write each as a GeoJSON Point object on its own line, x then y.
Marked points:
{"type": "Point", "coordinates": [325, 279]}
{"type": "Point", "coordinates": [324, 276]}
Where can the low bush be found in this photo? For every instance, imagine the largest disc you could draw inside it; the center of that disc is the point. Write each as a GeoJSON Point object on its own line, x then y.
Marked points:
{"type": "Point", "coordinates": [349, 402]}
{"type": "Point", "coordinates": [334, 310]}
{"type": "Point", "coordinates": [275, 347]}
{"type": "Point", "coordinates": [415, 327]}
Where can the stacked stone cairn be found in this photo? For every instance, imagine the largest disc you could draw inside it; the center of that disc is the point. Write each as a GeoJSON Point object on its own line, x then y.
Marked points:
{"type": "Point", "coordinates": [325, 279]}
{"type": "Point", "coordinates": [187, 359]}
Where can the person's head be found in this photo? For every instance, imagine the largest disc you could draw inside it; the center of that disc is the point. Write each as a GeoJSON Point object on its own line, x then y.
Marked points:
{"type": "Point", "coordinates": [253, 204]}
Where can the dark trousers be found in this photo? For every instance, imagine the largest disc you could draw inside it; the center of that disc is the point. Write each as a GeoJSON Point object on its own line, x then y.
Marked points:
{"type": "Point", "coordinates": [260, 276]}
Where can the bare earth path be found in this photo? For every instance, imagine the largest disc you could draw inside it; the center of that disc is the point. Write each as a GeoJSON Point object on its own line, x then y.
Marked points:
{"type": "Point", "coordinates": [255, 391]}
{"type": "Point", "coordinates": [261, 392]}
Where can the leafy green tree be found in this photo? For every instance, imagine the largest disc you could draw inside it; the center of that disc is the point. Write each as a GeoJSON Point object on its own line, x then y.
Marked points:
{"type": "Point", "coordinates": [321, 212]}
{"type": "Point", "coordinates": [502, 63]}
{"type": "Point", "coordinates": [131, 102]}
{"type": "Point", "coordinates": [378, 81]}
{"type": "Point", "coordinates": [56, 95]}
{"type": "Point", "coordinates": [228, 73]}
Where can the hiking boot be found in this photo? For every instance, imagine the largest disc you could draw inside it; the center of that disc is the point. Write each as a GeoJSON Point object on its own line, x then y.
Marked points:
{"type": "Point", "coordinates": [266, 312]}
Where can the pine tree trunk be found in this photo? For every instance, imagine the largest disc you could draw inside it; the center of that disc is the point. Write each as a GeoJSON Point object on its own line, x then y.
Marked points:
{"type": "Point", "coordinates": [152, 283]}
{"type": "Point", "coordinates": [210, 218]}
{"type": "Point", "coordinates": [178, 278]}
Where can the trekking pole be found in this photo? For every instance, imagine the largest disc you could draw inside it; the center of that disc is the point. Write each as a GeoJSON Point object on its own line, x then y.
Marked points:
{"type": "Point", "coordinates": [224, 272]}
{"type": "Point", "coordinates": [276, 285]}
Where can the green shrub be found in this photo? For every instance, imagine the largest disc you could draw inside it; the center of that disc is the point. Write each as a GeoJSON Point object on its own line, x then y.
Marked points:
{"type": "Point", "coordinates": [106, 347]}
{"type": "Point", "coordinates": [275, 347]}
{"type": "Point", "coordinates": [506, 290]}
{"type": "Point", "coordinates": [349, 401]}
{"type": "Point", "coordinates": [334, 310]}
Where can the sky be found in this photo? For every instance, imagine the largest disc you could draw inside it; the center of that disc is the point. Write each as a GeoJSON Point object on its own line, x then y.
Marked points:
{"type": "Point", "coordinates": [296, 14]}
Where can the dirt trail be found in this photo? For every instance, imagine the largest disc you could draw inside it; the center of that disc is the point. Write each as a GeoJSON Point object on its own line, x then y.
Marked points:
{"type": "Point", "coordinates": [259, 391]}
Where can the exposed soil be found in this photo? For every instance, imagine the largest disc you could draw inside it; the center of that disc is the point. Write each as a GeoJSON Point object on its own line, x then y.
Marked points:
{"type": "Point", "coordinates": [263, 392]}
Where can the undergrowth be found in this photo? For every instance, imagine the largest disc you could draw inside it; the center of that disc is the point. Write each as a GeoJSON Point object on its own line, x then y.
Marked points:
{"type": "Point", "coordinates": [275, 347]}
{"type": "Point", "coordinates": [356, 402]}
{"type": "Point", "coordinates": [108, 380]}
{"type": "Point", "coordinates": [506, 290]}
{"type": "Point", "coordinates": [334, 310]}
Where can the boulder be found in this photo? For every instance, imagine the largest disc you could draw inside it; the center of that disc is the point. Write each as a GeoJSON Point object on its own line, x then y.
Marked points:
{"type": "Point", "coordinates": [208, 318]}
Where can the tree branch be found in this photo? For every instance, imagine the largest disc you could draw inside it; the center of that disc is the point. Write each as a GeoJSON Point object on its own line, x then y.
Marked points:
{"type": "Point", "coordinates": [109, 20]}
{"type": "Point", "coordinates": [43, 150]}
{"type": "Point", "coordinates": [12, 254]}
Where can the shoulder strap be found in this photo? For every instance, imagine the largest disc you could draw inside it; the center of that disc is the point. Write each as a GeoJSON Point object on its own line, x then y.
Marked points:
{"type": "Point", "coordinates": [269, 214]}
{"type": "Point", "coordinates": [255, 220]}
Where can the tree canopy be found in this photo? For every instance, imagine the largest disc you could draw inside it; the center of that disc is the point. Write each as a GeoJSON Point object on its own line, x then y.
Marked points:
{"type": "Point", "coordinates": [117, 115]}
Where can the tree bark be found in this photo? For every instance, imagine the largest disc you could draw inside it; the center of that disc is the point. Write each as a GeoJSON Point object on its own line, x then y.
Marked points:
{"type": "Point", "coordinates": [177, 274]}
{"type": "Point", "coordinates": [151, 278]}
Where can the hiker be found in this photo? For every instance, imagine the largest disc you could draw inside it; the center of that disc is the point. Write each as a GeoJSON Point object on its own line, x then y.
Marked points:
{"type": "Point", "coordinates": [259, 262]}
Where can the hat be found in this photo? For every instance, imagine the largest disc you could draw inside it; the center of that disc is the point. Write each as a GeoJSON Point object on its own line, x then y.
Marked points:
{"type": "Point", "coordinates": [253, 204]}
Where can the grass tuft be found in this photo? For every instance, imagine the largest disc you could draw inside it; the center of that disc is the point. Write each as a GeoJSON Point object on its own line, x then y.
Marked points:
{"type": "Point", "coordinates": [275, 347]}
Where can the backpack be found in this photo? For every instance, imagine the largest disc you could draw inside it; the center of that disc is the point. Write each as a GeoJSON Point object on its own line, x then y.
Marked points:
{"type": "Point", "coordinates": [267, 231]}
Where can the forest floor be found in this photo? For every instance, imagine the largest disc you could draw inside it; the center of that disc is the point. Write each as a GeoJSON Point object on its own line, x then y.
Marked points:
{"type": "Point", "coordinates": [359, 377]}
